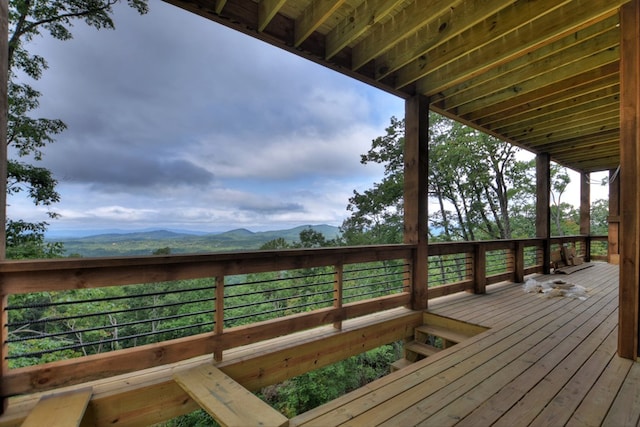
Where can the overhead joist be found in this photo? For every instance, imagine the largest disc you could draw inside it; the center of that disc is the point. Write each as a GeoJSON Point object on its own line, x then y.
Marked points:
{"type": "Point", "coordinates": [313, 17]}
{"type": "Point", "coordinates": [604, 96]}
{"type": "Point", "coordinates": [586, 153]}
{"type": "Point", "coordinates": [466, 45]}
{"type": "Point", "coordinates": [541, 82]}
{"type": "Point", "coordinates": [605, 137]}
{"type": "Point", "coordinates": [267, 9]}
{"type": "Point", "coordinates": [582, 85]}
{"type": "Point", "coordinates": [528, 69]}
{"type": "Point", "coordinates": [597, 165]}
{"type": "Point", "coordinates": [506, 70]}
{"type": "Point", "coordinates": [590, 150]}
{"type": "Point", "coordinates": [455, 22]}
{"type": "Point", "coordinates": [572, 132]}
{"type": "Point", "coordinates": [471, 55]}
{"type": "Point", "coordinates": [563, 119]}
{"type": "Point", "coordinates": [383, 37]}
{"type": "Point", "coordinates": [543, 96]}
{"type": "Point", "coordinates": [359, 21]}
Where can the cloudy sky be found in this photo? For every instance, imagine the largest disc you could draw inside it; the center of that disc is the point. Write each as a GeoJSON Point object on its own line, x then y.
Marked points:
{"type": "Point", "coordinates": [176, 122]}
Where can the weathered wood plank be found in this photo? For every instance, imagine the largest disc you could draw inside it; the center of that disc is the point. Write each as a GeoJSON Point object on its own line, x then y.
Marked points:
{"type": "Point", "coordinates": [429, 396]}
{"type": "Point", "coordinates": [596, 404]}
{"type": "Point", "coordinates": [65, 409]}
{"type": "Point", "coordinates": [625, 410]}
{"type": "Point", "coordinates": [230, 404]}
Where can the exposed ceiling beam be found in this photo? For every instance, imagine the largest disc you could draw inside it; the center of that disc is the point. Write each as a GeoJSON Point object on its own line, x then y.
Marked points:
{"type": "Point", "coordinates": [413, 17]}
{"type": "Point", "coordinates": [543, 30]}
{"type": "Point", "coordinates": [313, 17]}
{"type": "Point", "coordinates": [267, 9]}
{"type": "Point", "coordinates": [365, 16]}
{"type": "Point", "coordinates": [453, 23]}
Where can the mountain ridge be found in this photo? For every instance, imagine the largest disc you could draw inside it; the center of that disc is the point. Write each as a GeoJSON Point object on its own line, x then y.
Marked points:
{"type": "Point", "coordinates": [146, 242]}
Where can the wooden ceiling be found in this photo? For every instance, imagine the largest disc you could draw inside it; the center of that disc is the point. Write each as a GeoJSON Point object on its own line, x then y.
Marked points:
{"type": "Point", "coordinates": [542, 74]}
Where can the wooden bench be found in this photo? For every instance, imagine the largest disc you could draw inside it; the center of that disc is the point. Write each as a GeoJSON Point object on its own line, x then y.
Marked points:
{"type": "Point", "coordinates": [66, 409]}
{"type": "Point", "coordinates": [230, 404]}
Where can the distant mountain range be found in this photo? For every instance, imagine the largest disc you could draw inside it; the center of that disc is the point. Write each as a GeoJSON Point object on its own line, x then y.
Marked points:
{"type": "Point", "coordinates": [146, 242]}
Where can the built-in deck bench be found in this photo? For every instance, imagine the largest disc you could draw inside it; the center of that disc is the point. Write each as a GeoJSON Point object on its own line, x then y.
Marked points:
{"type": "Point", "coordinates": [230, 404]}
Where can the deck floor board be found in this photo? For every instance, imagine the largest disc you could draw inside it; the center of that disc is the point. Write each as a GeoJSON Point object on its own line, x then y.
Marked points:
{"type": "Point", "coordinates": [545, 361]}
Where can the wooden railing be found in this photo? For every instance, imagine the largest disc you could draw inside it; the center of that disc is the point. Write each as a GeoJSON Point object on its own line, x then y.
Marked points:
{"type": "Point", "coordinates": [453, 267]}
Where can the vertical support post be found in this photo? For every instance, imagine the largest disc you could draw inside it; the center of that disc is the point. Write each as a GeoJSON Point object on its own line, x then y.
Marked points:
{"type": "Point", "coordinates": [613, 243]}
{"type": "Point", "coordinates": [219, 316]}
{"type": "Point", "coordinates": [518, 262]}
{"type": "Point", "coordinates": [585, 212]}
{"type": "Point", "coordinates": [543, 207]}
{"type": "Point", "coordinates": [416, 193]}
{"type": "Point", "coordinates": [337, 292]}
{"type": "Point", "coordinates": [4, 109]}
{"type": "Point", "coordinates": [628, 321]}
{"type": "Point", "coordinates": [479, 269]}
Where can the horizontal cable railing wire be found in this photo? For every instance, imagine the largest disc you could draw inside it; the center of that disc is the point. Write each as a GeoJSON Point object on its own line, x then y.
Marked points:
{"type": "Point", "coordinates": [255, 298]}
{"type": "Point", "coordinates": [445, 269]}
{"type": "Point", "coordinates": [532, 256]}
{"type": "Point", "coordinates": [599, 248]}
{"type": "Point", "coordinates": [81, 322]}
{"type": "Point", "coordinates": [375, 279]}
{"type": "Point", "coordinates": [499, 261]}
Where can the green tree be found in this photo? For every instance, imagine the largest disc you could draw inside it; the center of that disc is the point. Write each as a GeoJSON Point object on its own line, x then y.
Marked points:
{"type": "Point", "coordinates": [377, 213]}
{"type": "Point", "coordinates": [473, 178]}
{"type": "Point", "coordinates": [26, 135]}
{"type": "Point", "coordinates": [600, 217]}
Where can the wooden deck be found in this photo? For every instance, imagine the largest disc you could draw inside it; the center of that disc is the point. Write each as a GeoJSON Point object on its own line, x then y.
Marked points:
{"type": "Point", "coordinates": [544, 362]}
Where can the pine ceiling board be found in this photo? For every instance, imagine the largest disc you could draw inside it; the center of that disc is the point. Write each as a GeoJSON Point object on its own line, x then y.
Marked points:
{"type": "Point", "coordinates": [567, 91]}
{"type": "Point", "coordinates": [529, 68]}
{"type": "Point", "coordinates": [315, 15]}
{"type": "Point", "coordinates": [573, 132]}
{"type": "Point", "coordinates": [608, 136]}
{"type": "Point", "coordinates": [600, 107]}
{"type": "Point", "coordinates": [399, 28]}
{"type": "Point", "coordinates": [573, 39]}
{"type": "Point", "coordinates": [542, 85]}
{"type": "Point", "coordinates": [452, 23]}
{"type": "Point", "coordinates": [597, 165]}
{"type": "Point", "coordinates": [481, 55]}
{"type": "Point", "coordinates": [360, 20]}
{"type": "Point", "coordinates": [558, 129]}
{"type": "Point", "coordinates": [606, 95]}
{"type": "Point", "coordinates": [585, 152]}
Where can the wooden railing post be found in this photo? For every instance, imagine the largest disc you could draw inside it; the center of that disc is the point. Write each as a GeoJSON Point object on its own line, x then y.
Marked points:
{"type": "Point", "coordinates": [518, 262]}
{"type": "Point", "coordinates": [543, 210]}
{"type": "Point", "coordinates": [416, 194]}
{"type": "Point", "coordinates": [219, 315]}
{"type": "Point", "coordinates": [629, 294]}
{"type": "Point", "coordinates": [479, 268]}
{"type": "Point", "coordinates": [338, 292]}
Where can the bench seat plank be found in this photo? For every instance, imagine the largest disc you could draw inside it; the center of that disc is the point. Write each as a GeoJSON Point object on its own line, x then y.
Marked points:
{"type": "Point", "coordinates": [65, 409]}
{"type": "Point", "coordinates": [225, 400]}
